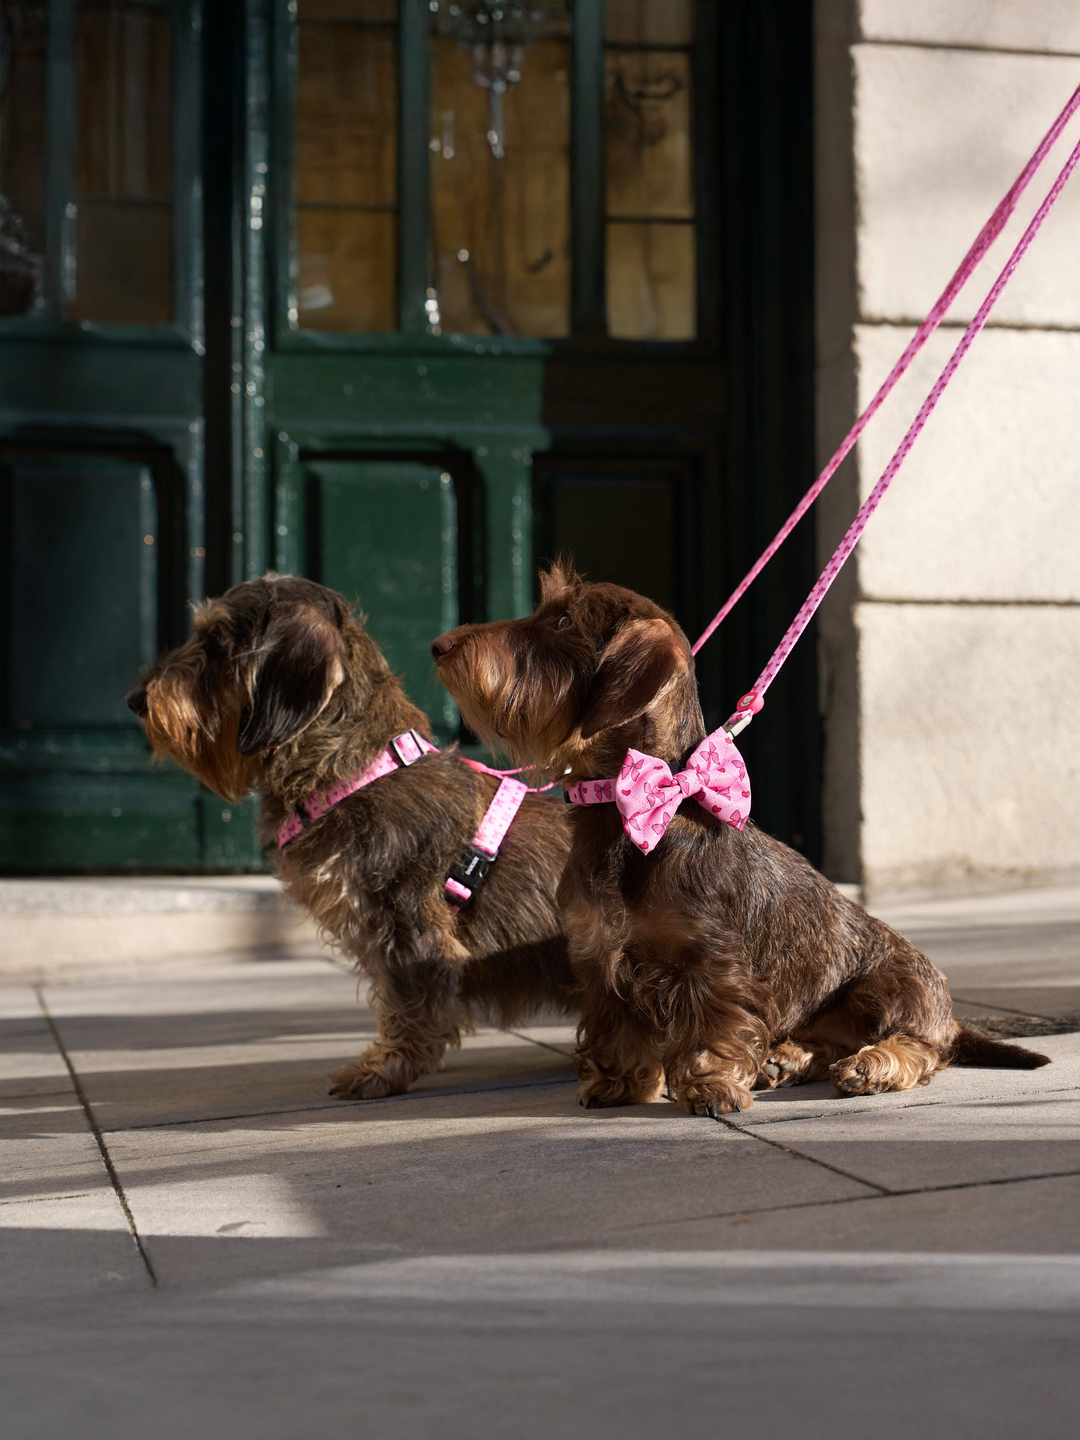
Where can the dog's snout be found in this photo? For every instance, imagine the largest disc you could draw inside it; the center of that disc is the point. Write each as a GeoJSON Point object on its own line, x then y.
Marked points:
{"type": "Point", "coordinates": [440, 646]}
{"type": "Point", "coordinates": [136, 700]}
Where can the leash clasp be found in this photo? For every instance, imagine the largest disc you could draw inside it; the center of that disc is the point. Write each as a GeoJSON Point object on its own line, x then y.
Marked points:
{"type": "Point", "coordinates": [745, 711]}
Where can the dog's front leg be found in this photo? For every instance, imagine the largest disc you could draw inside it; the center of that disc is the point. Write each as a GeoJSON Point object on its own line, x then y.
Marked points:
{"type": "Point", "coordinates": [717, 1038]}
{"type": "Point", "coordinates": [418, 1014]}
{"type": "Point", "coordinates": [617, 1062]}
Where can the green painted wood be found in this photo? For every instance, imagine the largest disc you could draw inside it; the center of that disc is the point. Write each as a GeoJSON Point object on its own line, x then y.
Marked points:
{"type": "Point", "coordinates": [385, 533]}
{"type": "Point", "coordinates": [79, 527]}
{"type": "Point", "coordinates": [407, 395]}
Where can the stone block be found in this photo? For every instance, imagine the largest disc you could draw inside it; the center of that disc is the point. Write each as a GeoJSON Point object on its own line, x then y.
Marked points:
{"type": "Point", "coordinates": [940, 135]}
{"type": "Point", "coordinates": [970, 744]}
{"type": "Point", "coordinates": [1051, 25]}
{"type": "Point", "coordinates": [985, 506]}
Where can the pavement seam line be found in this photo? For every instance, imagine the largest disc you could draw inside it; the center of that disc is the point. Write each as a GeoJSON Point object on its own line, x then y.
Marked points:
{"type": "Point", "coordinates": [341, 1106]}
{"type": "Point", "coordinates": [95, 1129]}
{"type": "Point", "coordinates": [760, 1119]}
{"type": "Point", "coordinates": [855, 1199]}
{"type": "Point", "coordinates": [43, 1199]}
{"type": "Point", "coordinates": [787, 1150]}
{"type": "Point", "coordinates": [1012, 1010]}
{"type": "Point", "coordinates": [542, 1043]}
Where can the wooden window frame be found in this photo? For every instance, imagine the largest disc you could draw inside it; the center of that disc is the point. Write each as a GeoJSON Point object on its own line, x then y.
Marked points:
{"type": "Point", "coordinates": [60, 246]}
{"type": "Point", "coordinates": [587, 196]}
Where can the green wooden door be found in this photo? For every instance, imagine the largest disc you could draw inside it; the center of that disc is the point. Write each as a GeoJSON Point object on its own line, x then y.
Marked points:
{"type": "Point", "coordinates": [385, 535]}
{"type": "Point", "coordinates": [102, 429]}
{"type": "Point", "coordinates": [404, 295]}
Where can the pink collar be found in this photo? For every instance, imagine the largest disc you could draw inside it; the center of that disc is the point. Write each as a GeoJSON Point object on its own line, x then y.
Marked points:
{"type": "Point", "coordinates": [404, 749]}
{"type": "Point", "coordinates": [470, 869]}
{"type": "Point", "coordinates": [647, 794]}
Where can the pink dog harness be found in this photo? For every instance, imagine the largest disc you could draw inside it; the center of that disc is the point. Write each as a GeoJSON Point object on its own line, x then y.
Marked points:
{"type": "Point", "coordinates": [647, 795]}
{"type": "Point", "coordinates": [470, 870]}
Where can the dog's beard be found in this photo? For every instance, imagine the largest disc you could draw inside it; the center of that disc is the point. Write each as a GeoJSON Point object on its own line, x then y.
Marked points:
{"type": "Point", "coordinates": [509, 700]}
{"type": "Point", "coordinates": [202, 739]}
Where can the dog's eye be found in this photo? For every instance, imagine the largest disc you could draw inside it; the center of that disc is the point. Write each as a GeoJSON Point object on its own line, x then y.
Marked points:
{"type": "Point", "coordinates": [564, 622]}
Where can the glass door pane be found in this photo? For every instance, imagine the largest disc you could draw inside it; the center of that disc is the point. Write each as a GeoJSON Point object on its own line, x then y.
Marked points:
{"type": "Point", "coordinates": [118, 242]}
{"type": "Point", "coordinates": [346, 165]}
{"type": "Point", "coordinates": [500, 167]}
{"type": "Point", "coordinates": [651, 280]}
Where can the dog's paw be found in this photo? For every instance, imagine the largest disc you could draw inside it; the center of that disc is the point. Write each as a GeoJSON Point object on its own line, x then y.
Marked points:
{"type": "Point", "coordinates": [788, 1064]}
{"type": "Point", "coordinates": [639, 1086]}
{"type": "Point", "coordinates": [361, 1082]}
{"type": "Point", "coordinates": [714, 1098]}
{"type": "Point", "coordinates": [855, 1076]}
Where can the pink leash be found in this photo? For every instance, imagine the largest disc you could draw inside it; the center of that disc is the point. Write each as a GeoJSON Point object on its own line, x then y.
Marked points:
{"type": "Point", "coordinates": [753, 700]}
{"type": "Point", "coordinates": [645, 791]}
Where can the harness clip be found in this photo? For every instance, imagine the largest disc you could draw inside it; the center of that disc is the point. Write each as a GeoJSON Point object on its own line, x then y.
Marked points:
{"type": "Point", "coordinates": [470, 870]}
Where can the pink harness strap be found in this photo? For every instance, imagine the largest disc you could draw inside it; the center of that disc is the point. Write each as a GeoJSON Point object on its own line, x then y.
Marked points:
{"type": "Point", "coordinates": [403, 750]}
{"type": "Point", "coordinates": [468, 873]}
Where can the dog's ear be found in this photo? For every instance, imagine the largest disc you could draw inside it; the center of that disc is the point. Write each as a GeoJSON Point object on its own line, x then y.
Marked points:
{"type": "Point", "coordinates": [559, 577]}
{"type": "Point", "coordinates": [301, 667]}
{"type": "Point", "coordinates": [634, 667]}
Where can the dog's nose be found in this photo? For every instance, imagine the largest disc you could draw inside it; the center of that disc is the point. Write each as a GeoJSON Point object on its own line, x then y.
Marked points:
{"type": "Point", "coordinates": [136, 700]}
{"type": "Point", "coordinates": [441, 646]}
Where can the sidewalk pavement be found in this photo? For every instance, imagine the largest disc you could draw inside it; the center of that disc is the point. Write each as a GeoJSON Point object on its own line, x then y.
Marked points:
{"type": "Point", "coordinates": [196, 1240]}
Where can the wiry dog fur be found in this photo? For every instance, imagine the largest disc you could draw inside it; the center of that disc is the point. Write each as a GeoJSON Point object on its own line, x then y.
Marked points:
{"type": "Point", "coordinates": [280, 690]}
{"type": "Point", "coordinates": [722, 961]}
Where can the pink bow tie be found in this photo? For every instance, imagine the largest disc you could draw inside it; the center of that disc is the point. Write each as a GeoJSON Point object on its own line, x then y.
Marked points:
{"type": "Point", "coordinates": [647, 794]}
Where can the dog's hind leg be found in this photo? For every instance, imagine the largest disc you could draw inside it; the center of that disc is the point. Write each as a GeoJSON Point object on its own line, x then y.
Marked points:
{"type": "Point", "coordinates": [898, 1063]}
{"type": "Point", "coordinates": [419, 1017]}
{"type": "Point", "coordinates": [892, 1030]}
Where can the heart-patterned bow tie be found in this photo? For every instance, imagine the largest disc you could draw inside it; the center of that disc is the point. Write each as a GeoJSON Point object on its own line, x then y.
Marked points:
{"type": "Point", "coordinates": [647, 794]}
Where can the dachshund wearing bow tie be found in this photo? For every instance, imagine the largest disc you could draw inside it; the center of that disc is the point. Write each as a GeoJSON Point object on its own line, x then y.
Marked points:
{"type": "Point", "coordinates": [709, 956]}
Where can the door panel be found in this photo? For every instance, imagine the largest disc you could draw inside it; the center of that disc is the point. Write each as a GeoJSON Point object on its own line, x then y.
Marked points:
{"type": "Point", "coordinates": [385, 533]}
{"type": "Point", "coordinates": [621, 521]}
{"type": "Point", "coordinates": [83, 589]}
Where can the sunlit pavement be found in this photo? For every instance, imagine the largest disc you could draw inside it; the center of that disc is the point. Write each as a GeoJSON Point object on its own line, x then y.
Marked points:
{"type": "Point", "coordinates": [198, 1241]}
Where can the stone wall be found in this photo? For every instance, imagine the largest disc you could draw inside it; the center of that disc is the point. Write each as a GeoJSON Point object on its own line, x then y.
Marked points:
{"type": "Point", "coordinates": [951, 649]}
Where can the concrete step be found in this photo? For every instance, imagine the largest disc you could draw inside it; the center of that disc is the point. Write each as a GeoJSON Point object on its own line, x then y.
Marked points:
{"type": "Point", "coordinates": [48, 926]}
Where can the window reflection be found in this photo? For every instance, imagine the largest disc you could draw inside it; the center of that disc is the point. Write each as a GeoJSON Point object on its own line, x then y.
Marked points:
{"type": "Point", "coordinates": [346, 165]}
{"type": "Point", "coordinates": [117, 247]}
{"type": "Point", "coordinates": [500, 165]}
{"type": "Point", "coordinates": [651, 273]}
{"type": "Point", "coordinates": [22, 156]}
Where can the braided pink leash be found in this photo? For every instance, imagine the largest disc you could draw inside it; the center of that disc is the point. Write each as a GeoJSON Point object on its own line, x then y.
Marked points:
{"type": "Point", "coordinates": [985, 238]}
{"type": "Point", "coordinates": [752, 702]}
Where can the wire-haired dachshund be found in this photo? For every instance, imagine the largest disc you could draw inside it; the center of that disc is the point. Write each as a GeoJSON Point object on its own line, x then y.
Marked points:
{"type": "Point", "coordinates": [280, 690]}
{"type": "Point", "coordinates": [722, 961]}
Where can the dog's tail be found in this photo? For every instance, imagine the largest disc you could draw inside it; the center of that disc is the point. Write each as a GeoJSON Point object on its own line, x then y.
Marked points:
{"type": "Point", "coordinates": [972, 1048]}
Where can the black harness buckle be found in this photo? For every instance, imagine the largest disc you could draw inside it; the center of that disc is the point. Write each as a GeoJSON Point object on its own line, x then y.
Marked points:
{"type": "Point", "coordinates": [470, 870]}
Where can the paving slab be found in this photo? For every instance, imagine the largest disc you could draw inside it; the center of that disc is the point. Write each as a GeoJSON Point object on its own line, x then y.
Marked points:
{"type": "Point", "coordinates": [482, 1257]}
{"type": "Point", "coordinates": [521, 1167]}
